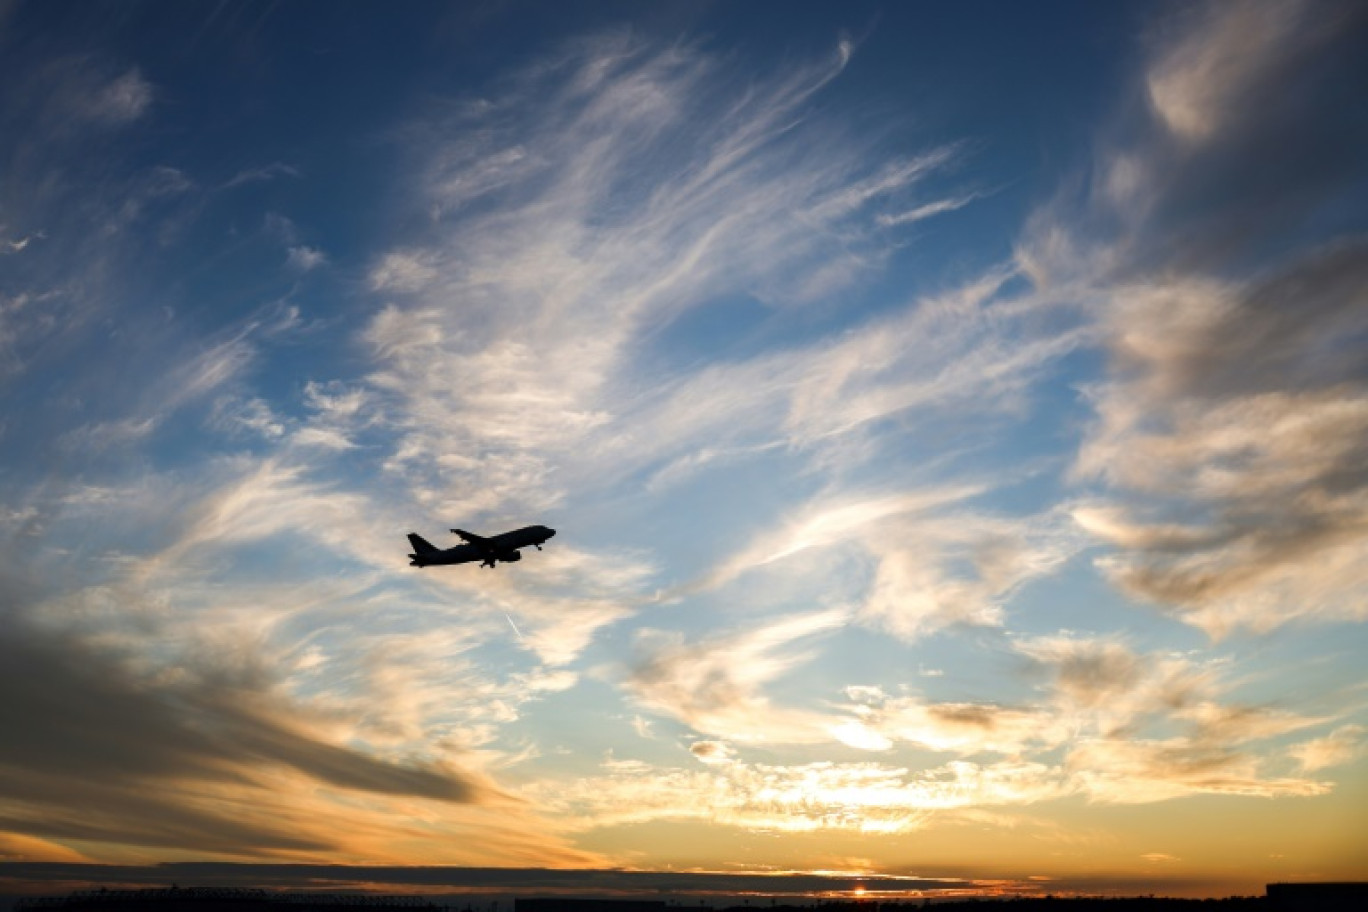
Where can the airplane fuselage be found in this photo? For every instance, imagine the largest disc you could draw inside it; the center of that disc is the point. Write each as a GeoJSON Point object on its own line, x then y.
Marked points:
{"type": "Point", "coordinates": [488, 551]}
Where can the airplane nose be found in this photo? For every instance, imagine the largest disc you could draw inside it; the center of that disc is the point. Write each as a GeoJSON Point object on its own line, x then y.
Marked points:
{"type": "Point", "coordinates": [550, 533]}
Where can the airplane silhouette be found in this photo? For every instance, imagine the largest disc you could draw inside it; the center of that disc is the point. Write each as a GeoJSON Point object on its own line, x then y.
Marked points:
{"type": "Point", "coordinates": [488, 551]}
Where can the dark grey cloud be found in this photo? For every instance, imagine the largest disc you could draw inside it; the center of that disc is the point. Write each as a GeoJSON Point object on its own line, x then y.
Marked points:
{"type": "Point", "coordinates": [1241, 414]}
{"type": "Point", "coordinates": [100, 746]}
{"type": "Point", "coordinates": [1224, 242]}
{"type": "Point", "coordinates": [1301, 325]}
{"type": "Point", "coordinates": [1275, 84]}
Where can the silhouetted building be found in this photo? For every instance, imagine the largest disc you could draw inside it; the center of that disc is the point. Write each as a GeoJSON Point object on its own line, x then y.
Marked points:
{"type": "Point", "coordinates": [221, 899]}
{"type": "Point", "coordinates": [1317, 897]}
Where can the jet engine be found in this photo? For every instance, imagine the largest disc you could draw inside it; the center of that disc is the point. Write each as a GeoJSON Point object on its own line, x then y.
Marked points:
{"type": "Point", "coordinates": [510, 557]}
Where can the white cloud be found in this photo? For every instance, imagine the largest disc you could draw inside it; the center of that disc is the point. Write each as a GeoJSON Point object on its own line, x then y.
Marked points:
{"type": "Point", "coordinates": [715, 686]}
{"type": "Point", "coordinates": [1133, 727]}
{"type": "Point", "coordinates": [305, 259]}
{"type": "Point", "coordinates": [1135, 772]}
{"type": "Point", "coordinates": [925, 211]}
{"type": "Point", "coordinates": [326, 438]}
{"type": "Point", "coordinates": [1340, 746]}
{"type": "Point", "coordinates": [403, 271]}
{"type": "Point", "coordinates": [19, 245]}
{"type": "Point", "coordinates": [826, 524]}
{"type": "Point", "coordinates": [253, 415]}
{"type": "Point", "coordinates": [936, 563]}
{"type": "Point", "coordinates": [960, 568]}
{"type": "Point", "coordinates": [861, 797]}
{"type": "Point", "coordinates": [522, 337]}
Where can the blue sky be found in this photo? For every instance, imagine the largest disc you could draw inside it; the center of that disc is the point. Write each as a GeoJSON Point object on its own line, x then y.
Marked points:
{"type": "Point", "coordinates": [953, 416]}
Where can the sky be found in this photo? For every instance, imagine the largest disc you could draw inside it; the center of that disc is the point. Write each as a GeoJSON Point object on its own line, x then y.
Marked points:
{"type": "Point", "coordinates": [954, 417]}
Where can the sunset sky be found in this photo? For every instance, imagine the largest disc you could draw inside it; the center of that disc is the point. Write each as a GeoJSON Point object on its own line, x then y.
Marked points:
{"type": "Point", "coordinates": [954, 417]}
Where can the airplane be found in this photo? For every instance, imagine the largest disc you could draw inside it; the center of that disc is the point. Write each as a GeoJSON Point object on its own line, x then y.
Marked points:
{"type": "Point", "coordinates": [488, 551]}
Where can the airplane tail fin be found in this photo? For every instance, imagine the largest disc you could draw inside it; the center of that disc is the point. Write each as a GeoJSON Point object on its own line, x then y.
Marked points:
{"type": "Point", "coordinates": [421, 545]}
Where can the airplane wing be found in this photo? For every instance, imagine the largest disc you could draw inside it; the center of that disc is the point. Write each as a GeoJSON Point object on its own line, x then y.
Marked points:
{"type": "Point", "coordinates": [471, 538]}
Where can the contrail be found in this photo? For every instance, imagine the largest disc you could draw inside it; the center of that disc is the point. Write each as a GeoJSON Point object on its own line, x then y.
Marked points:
{"type": "Point", "coordinates": [513, 625]}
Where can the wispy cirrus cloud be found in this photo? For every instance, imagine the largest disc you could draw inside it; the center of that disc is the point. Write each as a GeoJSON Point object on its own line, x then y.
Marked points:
{"type": "Point", "coordinates": [926, 210]}
{"type": "Point", "coordinates": [559, 303]}
{"type": "Point", "coordinates": [937, 562]}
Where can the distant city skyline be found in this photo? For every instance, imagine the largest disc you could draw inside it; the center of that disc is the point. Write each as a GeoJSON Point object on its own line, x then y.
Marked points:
{"type": "Point", "coordinates": [952, 417]}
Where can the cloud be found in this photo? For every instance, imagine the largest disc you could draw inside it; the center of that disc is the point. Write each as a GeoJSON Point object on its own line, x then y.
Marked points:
{"type": "Point", "coordinates": [176, 387]}
{"type": "Point", "coordinates": [715, 686]}
{"type": "Point", "coordinates": [926, 211]}
{"type": "Point", "coordinates": [823, 525]}
{"type": "Point", "coordinates": [1102, 726]}
{"type": "Point", "coordinates": [1226, 58]}
{"type": "Point", "coordinates": [116, 751]}
{"type": "Point", "coordinates": [513, 349]}
{"type": "Point", "coordinates": [965, 729]}
{"type": "Point", "coordinates": [962, 568]}
{"type": "Point", "coordinates": [1340, 746]}
{"type": "Point", "coordinates": [860, 797]}
{"type": "Point", "coordinates": [546, 359]}
{"type": "Point", "coordinates": [122, 100]}
{"type": "Point", "coordinates": [253, 415]}
{"type": "Point", "coordinates": [1160, 858]}
{"type": "Point", "coordinates": [19, 245]}
{"type": "Point", "coordinates": [711, 751]}
{"type": "Point", "coordinates": [1133, 772]}
{"type": "Point", "coordinates": [318, 699]}
{"type": "Point", "coordinates": [208, 704]}
{"type": "Point", "coordinates": [1113, 712]}
{"type": "Point", "coordinates": [936, 562]}
{"type": "Point", "coordinates": [978, 352]}
{"type": "Point", "coordinates": [263, 174]}
{"type": "Point", "coordinates": [1230, 428]}
{"type": "Point", "coordinates": [1245, 427]}
{"type": "Point", "coordinates": [17, 848]}
{"type": "Point", "coordinates": [72, 95]}
{"type": "Point", "coordinates": [305, 259]}
{"type": "Point", "coordinates": [402, 272]}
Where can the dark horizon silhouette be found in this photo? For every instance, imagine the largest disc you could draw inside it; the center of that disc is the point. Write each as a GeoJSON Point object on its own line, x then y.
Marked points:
{"type": "Point", "coordinates": [1286, 897]}
{"type": "Point", "coordinates": [225, 887]}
